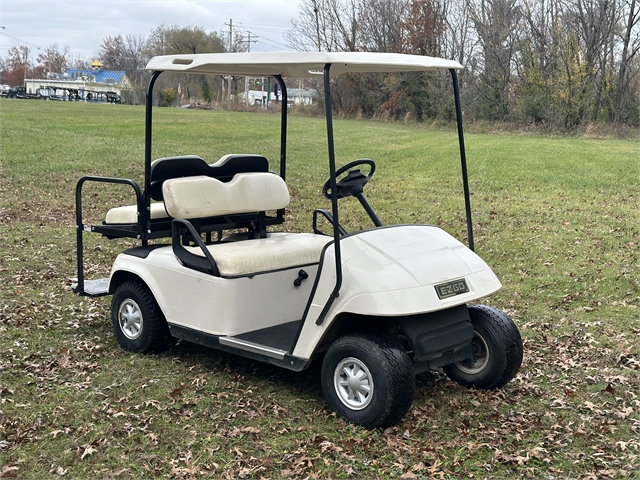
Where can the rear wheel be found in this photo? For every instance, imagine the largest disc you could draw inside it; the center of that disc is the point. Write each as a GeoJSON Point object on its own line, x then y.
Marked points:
{"type": "Point", "coordinates": [497, 350]}
{"type": "Point", "coordinates": [368, 379]}
{"type": "Point", "coordinates": [138, 322]}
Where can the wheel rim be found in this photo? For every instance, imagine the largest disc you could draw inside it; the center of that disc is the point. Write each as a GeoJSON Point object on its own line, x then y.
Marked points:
{"type": "Point", "coordinates": [480, 356]}
{"type": "Point", "coordinates": [130, 319]}
{"type": "Point", "coordinates": [353, 383]}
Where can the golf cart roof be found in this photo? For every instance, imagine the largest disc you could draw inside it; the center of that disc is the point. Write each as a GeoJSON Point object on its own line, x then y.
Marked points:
{"type": "Point", "coordinates": [297, 64]}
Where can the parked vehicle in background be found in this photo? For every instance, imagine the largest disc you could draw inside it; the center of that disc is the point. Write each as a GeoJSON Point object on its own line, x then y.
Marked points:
{"type": "Point", "coordinates": [21, 92]}
{"type": "Point", "coordinates": [4, 90]}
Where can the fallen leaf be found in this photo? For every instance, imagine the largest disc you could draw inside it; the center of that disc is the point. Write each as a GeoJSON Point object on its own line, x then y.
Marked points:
{"type": "Point", "coordinates": [177, 392]}
{"type": "Point", "coordinates": [409, 475]}
{"type": "Point", "coordinates": [9, 472]}
{"type": "Point", "coordinates": [87, 451]}
{"type": "Point", "coordinates": [609, 389]}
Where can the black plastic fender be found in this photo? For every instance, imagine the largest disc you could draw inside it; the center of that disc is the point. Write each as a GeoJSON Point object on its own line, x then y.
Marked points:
{"type": "Point", "coordinates": [430, 335]}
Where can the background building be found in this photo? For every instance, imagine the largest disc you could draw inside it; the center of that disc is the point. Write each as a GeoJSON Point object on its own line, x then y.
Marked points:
{"type": "Point", "coordinates": [93, 84]}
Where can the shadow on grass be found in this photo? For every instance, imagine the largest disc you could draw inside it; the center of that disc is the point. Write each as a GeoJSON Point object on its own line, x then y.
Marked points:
{"type": "Point", "coordinates": [304, 385]}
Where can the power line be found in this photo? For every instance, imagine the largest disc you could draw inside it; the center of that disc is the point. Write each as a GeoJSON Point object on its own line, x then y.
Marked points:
{"type": "Point", "coordinates": [18, 39]}
{"type": "Point", "coordinates": [263, 26]}
{"type": "Point", "coordinates": [274, 41]}
{"type": "Point", "coordinates": [249, 41]}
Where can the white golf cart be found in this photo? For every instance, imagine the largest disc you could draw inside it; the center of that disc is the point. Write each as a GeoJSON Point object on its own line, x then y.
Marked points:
{"type": "Point", "coordinates": [377, 305]}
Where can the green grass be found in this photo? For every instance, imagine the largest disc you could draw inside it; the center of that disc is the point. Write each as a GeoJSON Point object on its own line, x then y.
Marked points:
{"type": "Point", "coordinates": [557, 218]}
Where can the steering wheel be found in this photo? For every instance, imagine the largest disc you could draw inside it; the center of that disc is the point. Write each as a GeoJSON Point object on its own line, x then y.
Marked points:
{"type": "Point", "coordinates": [353, 183]}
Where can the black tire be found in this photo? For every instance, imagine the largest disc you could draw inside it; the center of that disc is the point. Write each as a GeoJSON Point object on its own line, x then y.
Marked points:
{"type": "Point", "coordinates": [137, 320]}
{"type": "Point", "coordinates": [497, 349]}
{"type": "Point", "coordinates": [384, 379]}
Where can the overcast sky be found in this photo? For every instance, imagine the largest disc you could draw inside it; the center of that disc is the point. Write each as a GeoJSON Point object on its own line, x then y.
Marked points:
{"type": "Point", "coordinates": [82, 25]}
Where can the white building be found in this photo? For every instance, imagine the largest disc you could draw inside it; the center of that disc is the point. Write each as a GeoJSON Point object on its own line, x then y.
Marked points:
{"type": "Point", "coordinates": [81, 84]}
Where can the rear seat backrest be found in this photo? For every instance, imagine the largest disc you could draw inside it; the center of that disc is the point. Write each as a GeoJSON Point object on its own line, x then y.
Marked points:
{"type": "Point", "coordinates": [203, 196]}
{"type": "Point", "coordinates": [191, 165]}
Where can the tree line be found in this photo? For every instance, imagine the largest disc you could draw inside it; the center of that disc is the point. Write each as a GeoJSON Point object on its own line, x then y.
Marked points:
{"type": "Point", "coordinates": [556, 63]}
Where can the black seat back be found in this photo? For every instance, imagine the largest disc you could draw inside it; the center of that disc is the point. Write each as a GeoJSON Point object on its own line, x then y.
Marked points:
{"type": "Point", "coordinates": [193, 165]}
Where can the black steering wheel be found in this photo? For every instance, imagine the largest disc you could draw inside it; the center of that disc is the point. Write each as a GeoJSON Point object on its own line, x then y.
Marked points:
{"type": "Point", "coordinates": [353, 183]}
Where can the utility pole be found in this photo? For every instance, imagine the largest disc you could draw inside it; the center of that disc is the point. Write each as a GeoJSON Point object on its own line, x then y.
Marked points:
{"type": "Point", "coordinates": [26, 63]}
{"type": "Point", "coordinates": [246, 79]}
{"type": "Point", "coordinates": [229, 77]}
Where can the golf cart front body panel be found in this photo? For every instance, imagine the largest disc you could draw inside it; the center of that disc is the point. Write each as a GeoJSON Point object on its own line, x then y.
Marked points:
{"type": "Point", "coordinates": [393, 272]}
{"type": "Point", "coordinates": [217, 305]}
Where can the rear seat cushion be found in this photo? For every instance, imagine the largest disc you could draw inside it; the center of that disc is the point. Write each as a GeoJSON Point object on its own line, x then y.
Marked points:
{"type": "Point", "coordinates": [278, 251]}
{"type": "Point", "coordinates": [129, 214]}
{"type": "Point", "coordinates": [202, 196]}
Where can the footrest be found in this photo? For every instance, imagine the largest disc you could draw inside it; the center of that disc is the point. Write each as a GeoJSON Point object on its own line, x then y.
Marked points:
{"type": "Point", "coordinates": [93, 288]}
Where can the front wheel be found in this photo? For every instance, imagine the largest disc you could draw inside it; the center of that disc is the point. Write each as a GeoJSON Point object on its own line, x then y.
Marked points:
{"type": "Point", "coordinates": [497, 351]}
{"type": "Point", "coordinates": [368, 379]}
{"type": "Point", "coordinates": [138, 322]}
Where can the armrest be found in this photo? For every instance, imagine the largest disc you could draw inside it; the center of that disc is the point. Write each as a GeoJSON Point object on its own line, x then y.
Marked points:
{"type": "Point", "coordinates": [204, 264]}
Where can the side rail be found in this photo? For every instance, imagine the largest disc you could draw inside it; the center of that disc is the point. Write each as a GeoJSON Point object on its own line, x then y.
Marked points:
{"type": "Point", "coordinates": [100, 287]}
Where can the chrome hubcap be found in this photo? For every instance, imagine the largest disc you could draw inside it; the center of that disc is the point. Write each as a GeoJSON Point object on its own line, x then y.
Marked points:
{"type": "Point", "coordinates": [130, 319]}
{"type": "Point", "coordinates": [353, 383]}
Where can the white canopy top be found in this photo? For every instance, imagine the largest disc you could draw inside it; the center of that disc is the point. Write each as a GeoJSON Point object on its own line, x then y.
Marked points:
{"type": "Point", "coordinates": [297, 64]}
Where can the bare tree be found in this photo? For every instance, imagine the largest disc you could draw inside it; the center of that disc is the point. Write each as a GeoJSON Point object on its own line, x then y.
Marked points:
{"type": "Point", "coordinates": [113, 53]}
{"type": "Point", "coordinates": [135, 57]}
{"type": "Point", "coordinates": [630, 48]}
{"type": "Point", "coordinates": [459, 41]}
{"type": "Point", "coordinates": [329, 25]}
{"type": "Point", "coordinates": [557, 62]}
{"type": "Point", "coordinates": [382, 24]}
{"type": "Point", "coordinates": [310, 30]}
{"type": "Point", "coordinates": [54, 58]}
{"type": "Point", "coordinates": [496, 24]}
{"type": "Point", "coordinates": [168, 40]}
{"type": "Point", "coordinates": [594, 22]}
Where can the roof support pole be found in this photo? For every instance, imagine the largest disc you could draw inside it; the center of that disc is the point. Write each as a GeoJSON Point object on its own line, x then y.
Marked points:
{"type": "Point", "coordinates": [283, 127]}
{"type": "Point", "coordinates": [334, 194]}
{"type": "Point", "coordinates": [463, 158]}
{"type": "Point", "coordinates": [145, 214]}
{"type": "Point", "coordinates": [283, 134]}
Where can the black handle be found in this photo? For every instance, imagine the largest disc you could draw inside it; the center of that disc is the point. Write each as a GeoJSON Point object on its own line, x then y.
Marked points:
{"type": "Point", "coordinates": [302, 275]}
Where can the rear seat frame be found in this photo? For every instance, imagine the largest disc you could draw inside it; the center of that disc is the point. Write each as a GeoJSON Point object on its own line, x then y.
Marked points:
{"type": "Point", "coordinates": [146, 229]}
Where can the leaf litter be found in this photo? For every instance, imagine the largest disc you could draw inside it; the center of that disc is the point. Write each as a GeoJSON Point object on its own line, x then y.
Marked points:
{"type": "Point", "coordinates": [73, 404]}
